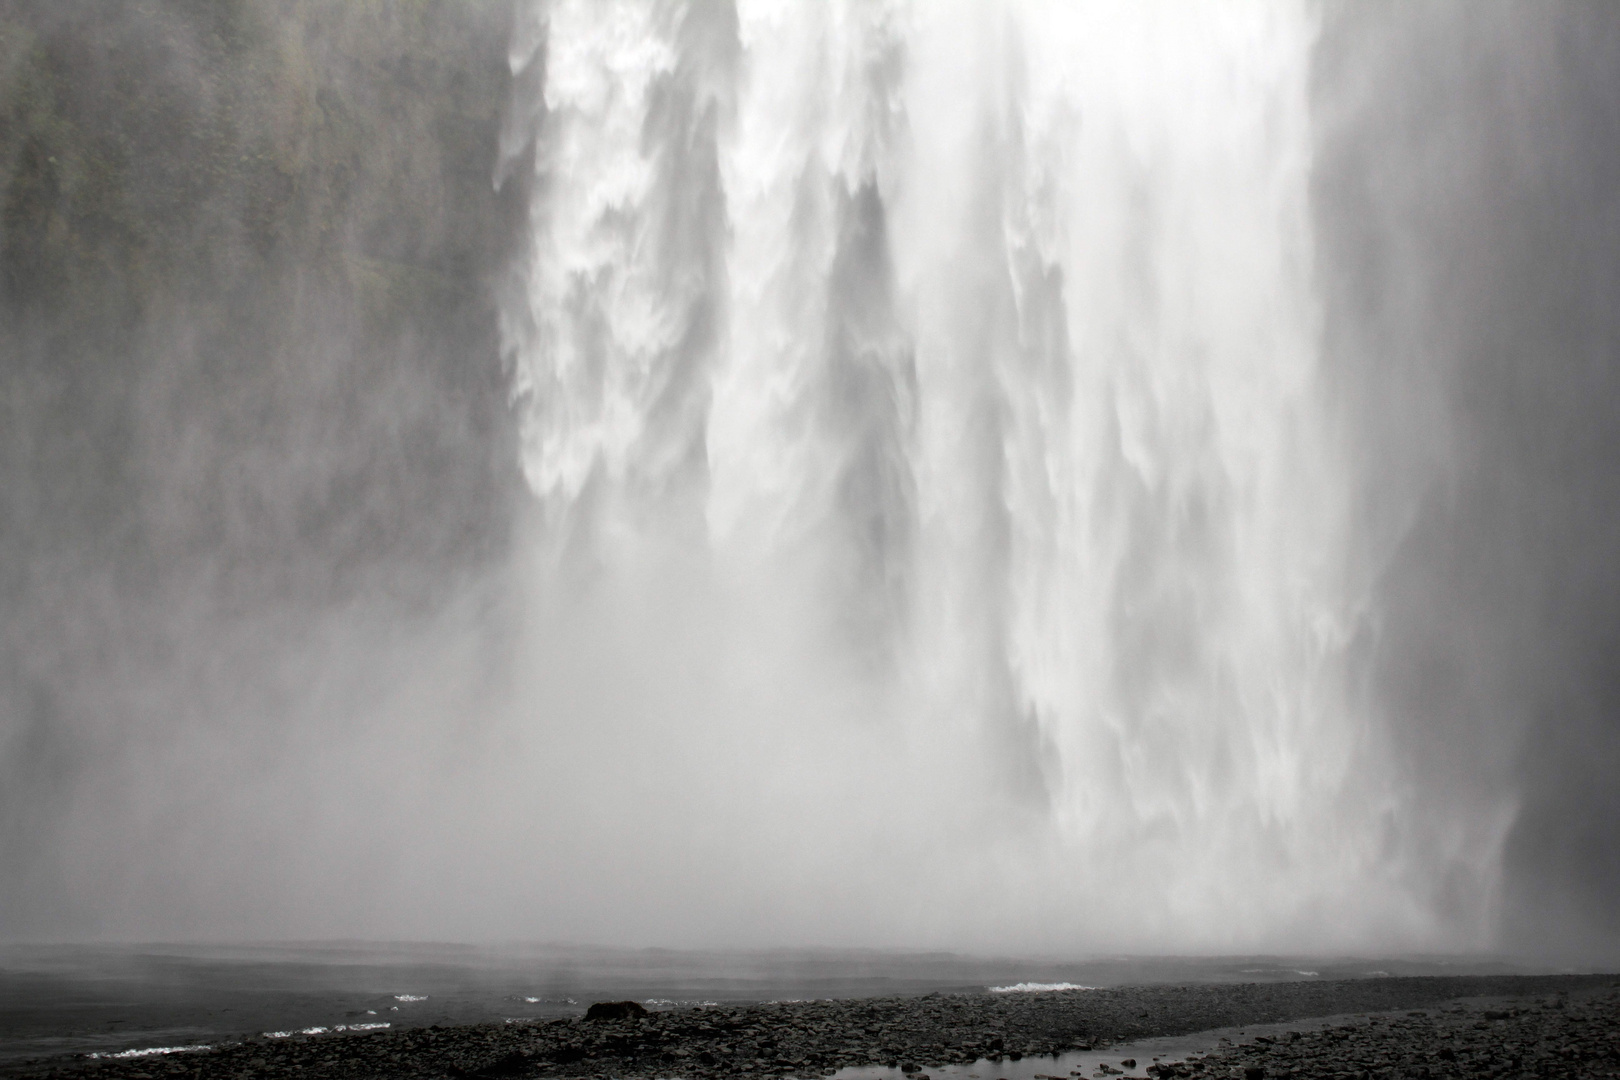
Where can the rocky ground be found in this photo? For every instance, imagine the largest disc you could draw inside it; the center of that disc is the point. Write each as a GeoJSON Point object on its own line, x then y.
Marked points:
{"type": "Point", "coordinates": [1538, 1026]}
{"type": "Point", "coordinates": [1550, 1036]}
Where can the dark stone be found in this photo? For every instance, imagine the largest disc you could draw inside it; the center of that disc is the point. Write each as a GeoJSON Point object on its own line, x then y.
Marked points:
{"type": "Point", "coordinates": [615, 1010]}
{"type": "Point", "coordinates": [510, 1065]}
{"type": "Point", "coordinates": [1129, 1063]}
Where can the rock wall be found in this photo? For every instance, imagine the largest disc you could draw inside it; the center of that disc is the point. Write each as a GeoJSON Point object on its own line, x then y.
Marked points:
{"type": "Point", "coordinates": [249, 374]}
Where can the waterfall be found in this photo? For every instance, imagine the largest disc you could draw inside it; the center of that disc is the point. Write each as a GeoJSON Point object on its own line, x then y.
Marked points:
{"type": "Point", "coordinates": [942, 531]}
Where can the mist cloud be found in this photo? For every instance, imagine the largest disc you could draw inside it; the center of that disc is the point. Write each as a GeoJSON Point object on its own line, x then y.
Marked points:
{"type": "Point", "coordinates": [309, 630]}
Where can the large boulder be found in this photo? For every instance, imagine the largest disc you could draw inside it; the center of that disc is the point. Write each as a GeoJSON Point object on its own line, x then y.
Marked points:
{"type": "Point", "coordinates": [615, 1010]}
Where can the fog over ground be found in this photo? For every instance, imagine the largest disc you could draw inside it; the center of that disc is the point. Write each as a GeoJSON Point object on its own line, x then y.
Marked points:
{"type": "Point", "coordinates": [911, 555]}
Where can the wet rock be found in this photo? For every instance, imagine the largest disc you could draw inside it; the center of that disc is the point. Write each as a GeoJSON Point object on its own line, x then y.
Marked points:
{"type": "Point", "coordinates": [615, 1010]}
{"type": "Point", "coordinates": [512, 1064]}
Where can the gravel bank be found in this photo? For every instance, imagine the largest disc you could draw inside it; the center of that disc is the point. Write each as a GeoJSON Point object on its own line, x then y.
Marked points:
{"type": "Point", "coordinates": [1551, 1036]}
{"type": "Point", "coordinates": [1576, 1014]}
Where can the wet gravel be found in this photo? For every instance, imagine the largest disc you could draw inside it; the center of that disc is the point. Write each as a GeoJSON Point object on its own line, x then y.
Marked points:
{"type": "Point", "coordinates": [1524, 1037]}
{"type": "Point", "coordinates": [1551, 1026]}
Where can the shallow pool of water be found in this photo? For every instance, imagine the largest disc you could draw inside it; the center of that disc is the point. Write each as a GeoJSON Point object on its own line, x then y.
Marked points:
{"type": "Point", "coordinates": [1087, 1063]}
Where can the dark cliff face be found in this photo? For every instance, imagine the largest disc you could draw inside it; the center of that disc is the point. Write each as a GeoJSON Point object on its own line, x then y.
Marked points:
{"type": "Point", "coordinates": [248, 356]}
{"type": "Point", "coordinates": [246, 265]}
{"type": "Point", "coordinates": [1467, 194]}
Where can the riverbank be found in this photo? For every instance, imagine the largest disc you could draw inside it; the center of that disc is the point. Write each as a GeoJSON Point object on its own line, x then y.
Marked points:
{"type": "Point", "coordinates": [1558, 1035]}
{"type": "Point", "coordinates": [1531, 1019]}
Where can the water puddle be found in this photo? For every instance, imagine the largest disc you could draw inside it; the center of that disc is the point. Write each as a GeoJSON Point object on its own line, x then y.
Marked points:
{"type": "Point", "coordinates": [1079, 1063]}
{"type": "Point", "coordinates": [1121, 1059]}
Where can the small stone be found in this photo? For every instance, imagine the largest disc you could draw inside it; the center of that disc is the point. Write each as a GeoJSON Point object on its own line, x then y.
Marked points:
{"type": "Point", "coordinates": [510, 1065]}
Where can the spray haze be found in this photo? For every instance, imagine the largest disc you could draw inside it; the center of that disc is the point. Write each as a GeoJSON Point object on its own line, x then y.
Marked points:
{"type": "Point", "coordinates": [990, 475]}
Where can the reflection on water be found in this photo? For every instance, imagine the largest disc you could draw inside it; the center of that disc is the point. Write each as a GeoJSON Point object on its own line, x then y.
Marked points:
{"type": "Point", "coordinates": [1062, 1067]}
{"type": "Point", "coordinates": [1123, 1060]}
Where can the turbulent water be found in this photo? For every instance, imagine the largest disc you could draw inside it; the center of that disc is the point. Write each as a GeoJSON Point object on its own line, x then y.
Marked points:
{"type": "Point", "coordinates": [944, 523]}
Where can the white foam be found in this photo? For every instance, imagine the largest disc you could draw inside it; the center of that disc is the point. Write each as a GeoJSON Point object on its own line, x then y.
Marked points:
{"type": "Point", "coordinates": [410, 997]}
{"type": "Point", "coordinates": [150, 1051]}
{"type": "Point", "coordinates": [326, 1030]}
{"type": "Point", "coordinates": [1037, 988]}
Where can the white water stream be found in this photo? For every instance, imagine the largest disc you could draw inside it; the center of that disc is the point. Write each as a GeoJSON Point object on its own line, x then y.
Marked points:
{"type": "Point", "coordinates": [943, 534]}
